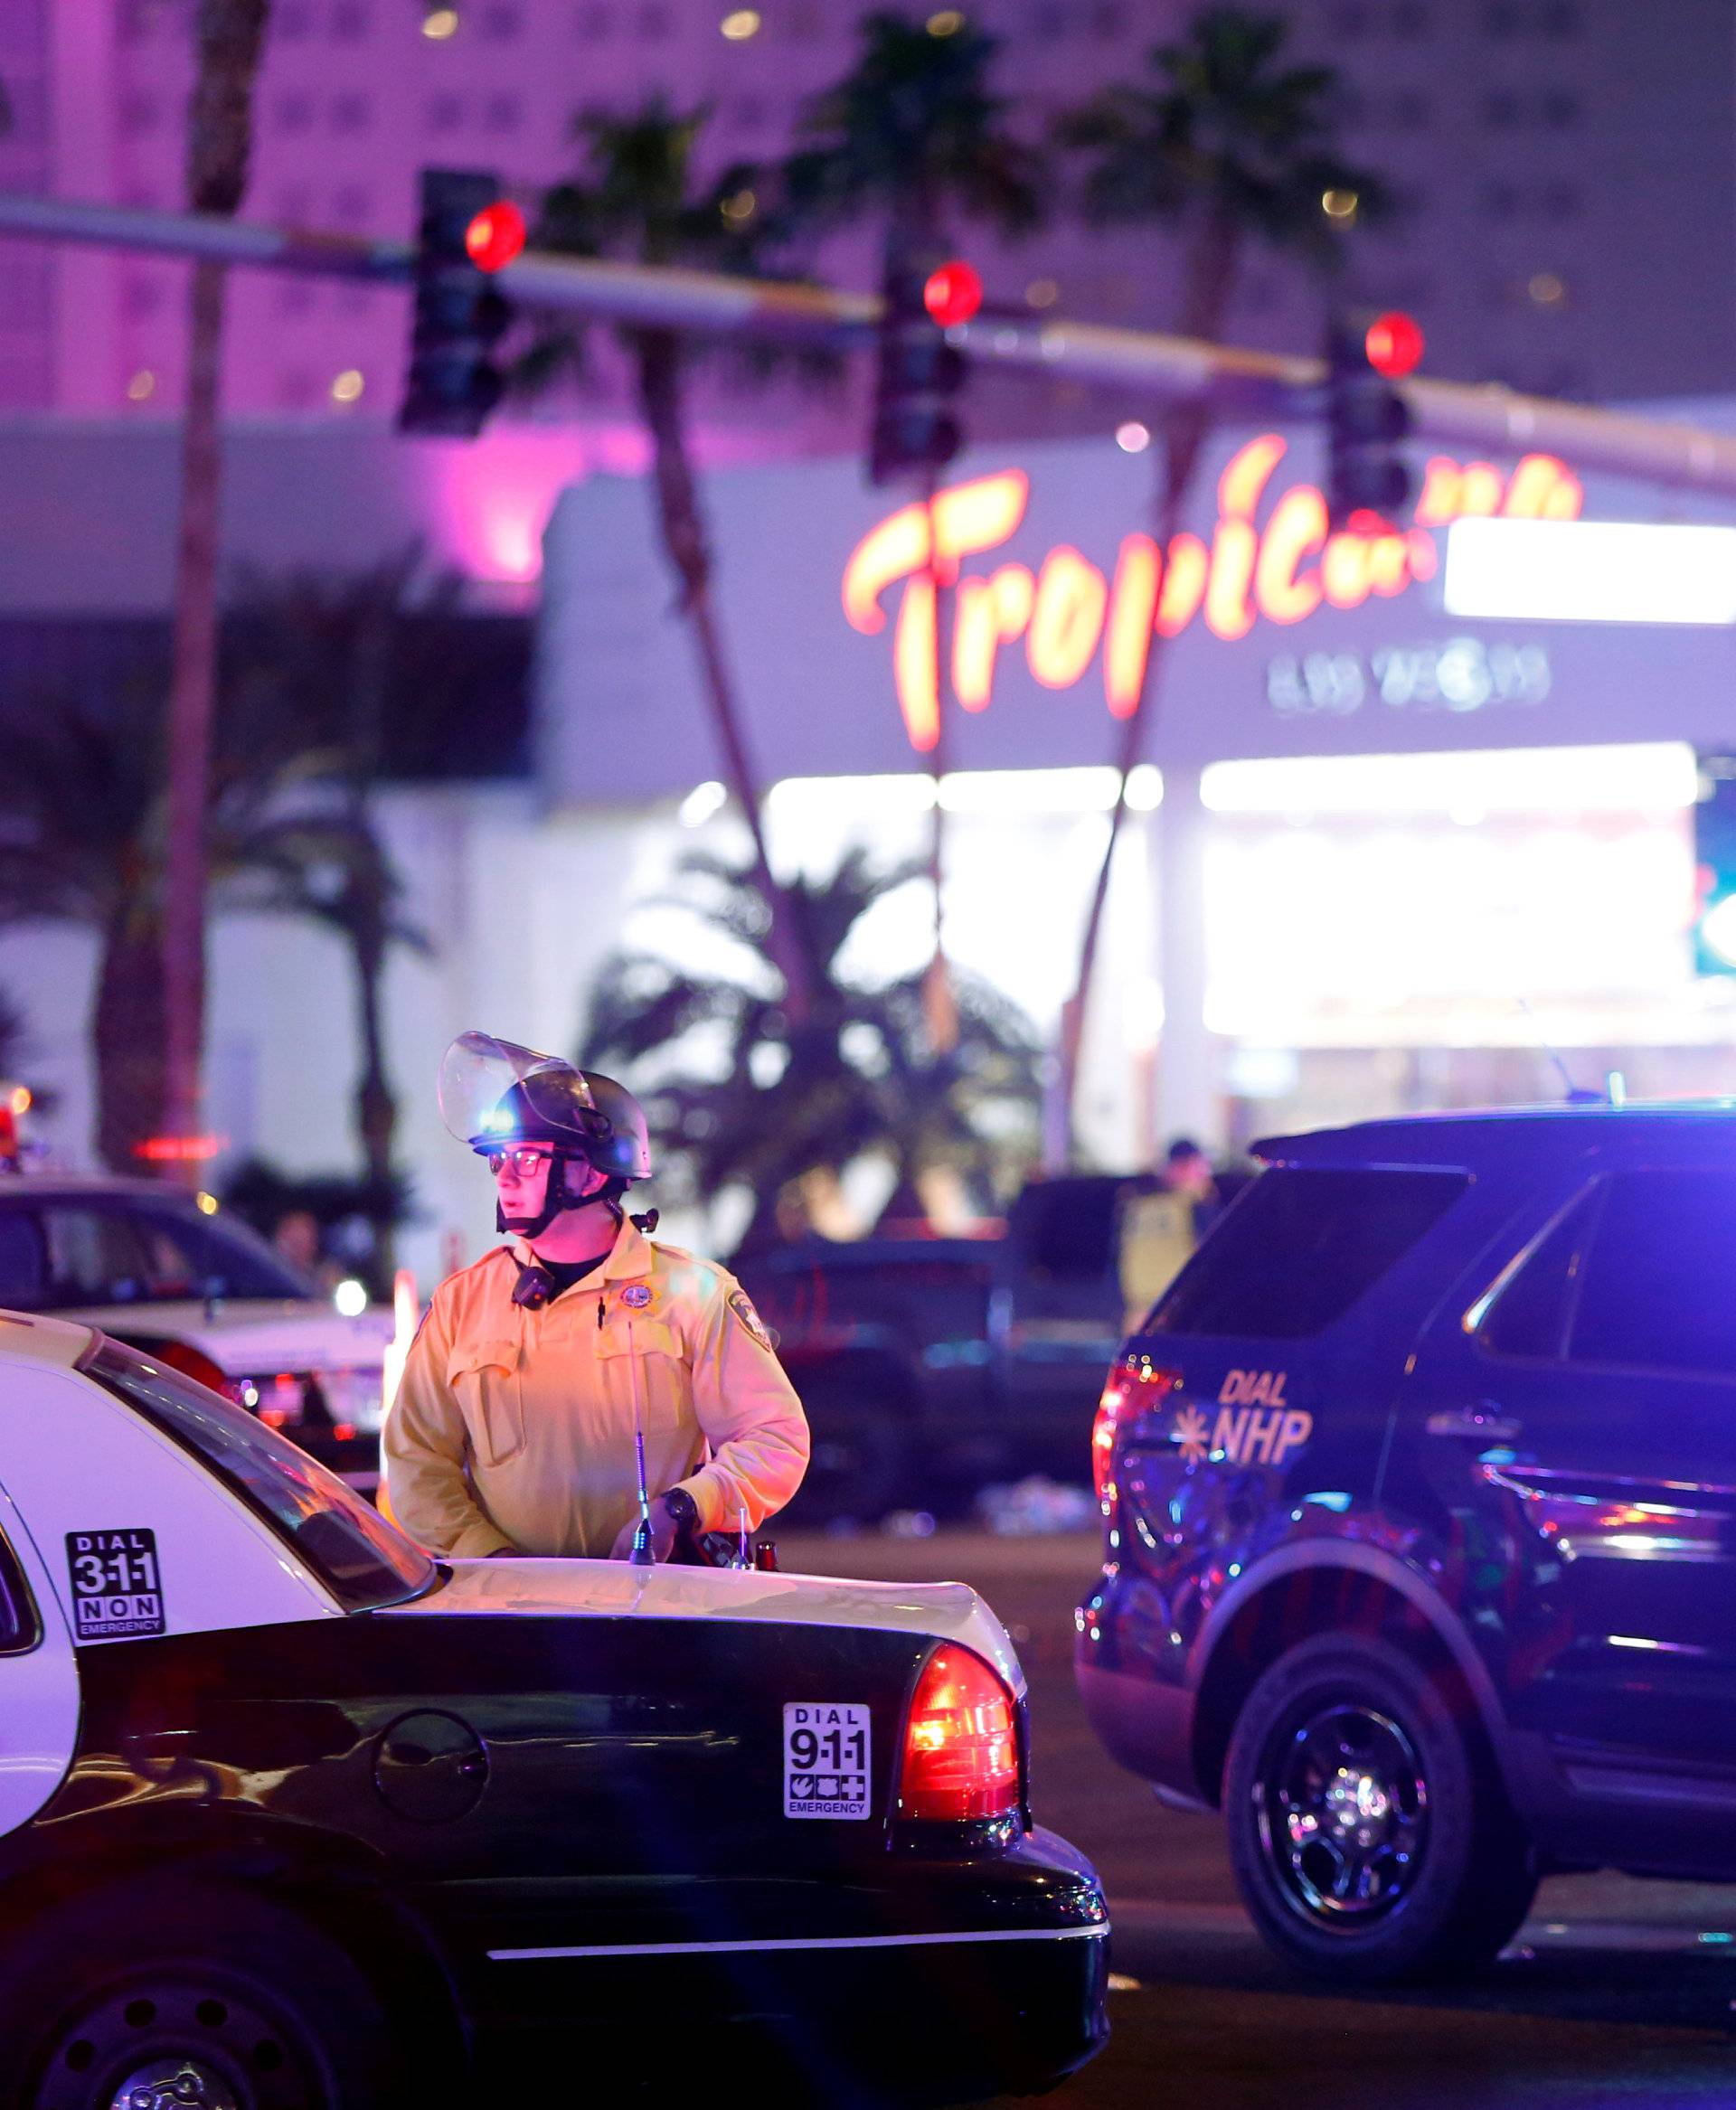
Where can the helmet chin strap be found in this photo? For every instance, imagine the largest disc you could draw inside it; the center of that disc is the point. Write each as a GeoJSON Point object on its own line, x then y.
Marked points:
{"type": "Point", "coordinates": [555, 1198]}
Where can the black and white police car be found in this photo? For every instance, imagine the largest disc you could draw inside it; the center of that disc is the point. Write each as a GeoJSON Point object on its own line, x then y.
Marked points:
{"type": "Point", "coordinates": [293, 1817]}
{"type": "Point", "coordinates": [170, 1272]}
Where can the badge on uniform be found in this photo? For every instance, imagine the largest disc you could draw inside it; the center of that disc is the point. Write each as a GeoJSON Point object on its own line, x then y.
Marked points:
{"type": "Point", "coordinates": [741, 1304]}
{"type": "Point", "coordinates": [637, 1295]}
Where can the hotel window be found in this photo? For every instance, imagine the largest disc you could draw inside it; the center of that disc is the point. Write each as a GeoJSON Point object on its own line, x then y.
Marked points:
{"type": "Point", "coordinates": [444, 113]}
{"type": "Point", "coordinates": [501, 23]}
{"type": "Point", "coordinates": [596, 23]}
{"type": "Point", "coordinates": [350, 113]}
{"type": "Point", "coordinates": [349, 22]}
{"type": "Point", "coordinates": [503, 113]}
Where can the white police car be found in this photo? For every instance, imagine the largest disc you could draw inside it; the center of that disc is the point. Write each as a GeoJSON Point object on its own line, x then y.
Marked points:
{"type": "Point", "coordinates": [293, 1815]}
{"type": "Point", "coordinates": [174, 1275]}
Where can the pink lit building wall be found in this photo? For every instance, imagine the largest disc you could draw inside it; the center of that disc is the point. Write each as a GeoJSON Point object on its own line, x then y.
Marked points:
{"type": "Point", "coordinates": [1567, 166]}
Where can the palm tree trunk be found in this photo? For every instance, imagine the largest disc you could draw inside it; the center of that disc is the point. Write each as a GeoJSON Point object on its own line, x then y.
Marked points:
{"type": "Point", "coordinates": [191, 698]}
{"type": "Point", "coordinates": [127, 1040]}
{"type": "Point", "coordinates": [685, 543]}
{"type": "Point", "coordinates": [376, 1108]}
{"type": "Point", "coordinates": [230, 34]}
{"type": "Point", "coordinates": [1209, 287]}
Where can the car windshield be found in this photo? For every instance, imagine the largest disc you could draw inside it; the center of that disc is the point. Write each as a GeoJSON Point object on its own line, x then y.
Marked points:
{"type": "Point", "coordinates": [62, 1252]}
{"type": "Point", "coordinates": [364, 1561]}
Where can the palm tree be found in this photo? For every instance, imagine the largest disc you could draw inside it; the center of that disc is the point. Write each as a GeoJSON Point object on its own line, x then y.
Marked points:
{"type": "Point", "coordinates": [745, 1095]}
{"type": "Point", "coordinates": [638, 196]}
{"type": "Point", "coordinates": [80, 835]}
{"type": "Point", "coordinates": [1230, 146]}
{"type": "Point", "coordinates": [82, 808]}
{"type": "Point", "coordinates": [913, 137]}
{"type": "Point", "coordinates": [229, 37]}
{"type": "Point", "coordinates": [14, 1034]}
{"type": "Point", "coordinates": [316, 657]}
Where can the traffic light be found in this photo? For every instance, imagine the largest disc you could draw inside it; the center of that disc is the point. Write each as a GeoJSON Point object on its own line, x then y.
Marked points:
{"type": "Point", "coordinates": [1715, 862]}
{"type": "Point", "coordinates": [918, 374]}
{"type": "Point", "coordinates": [468, 231]}
{"type": "Point", "coordinates": [1368, 479]}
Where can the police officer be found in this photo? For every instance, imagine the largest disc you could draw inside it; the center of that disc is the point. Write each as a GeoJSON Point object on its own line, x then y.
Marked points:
{"type": "Point", "coordinates": [513, 1429]}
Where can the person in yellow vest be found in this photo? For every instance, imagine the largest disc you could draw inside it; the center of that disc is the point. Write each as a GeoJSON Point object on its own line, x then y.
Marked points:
{"type": "Point", "coordinates": [513, 1428]}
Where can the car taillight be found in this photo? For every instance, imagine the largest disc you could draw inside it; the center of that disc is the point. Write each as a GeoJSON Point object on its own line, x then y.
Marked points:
{"type": "Point", "coordinates": [1134, 1385]}
{"type": "Point", "coordinates": [194, 1363]}
{"type": "Point", "coordinates": [961, 1747]}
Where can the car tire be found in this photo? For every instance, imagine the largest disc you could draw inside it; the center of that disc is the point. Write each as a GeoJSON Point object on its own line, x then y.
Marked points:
{"type": "Point", "coordinates": [1369, 1832]}
{"type": "Point", "coordinates": [130, 1991]}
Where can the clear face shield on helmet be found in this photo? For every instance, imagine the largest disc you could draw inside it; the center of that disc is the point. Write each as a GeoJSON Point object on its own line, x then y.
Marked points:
{"type": "Point", "coordinates": [493, 1091]}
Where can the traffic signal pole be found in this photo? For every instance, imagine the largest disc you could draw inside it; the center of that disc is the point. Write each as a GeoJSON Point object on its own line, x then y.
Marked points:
{"type": "Point", "coordinates": [1235, 382]}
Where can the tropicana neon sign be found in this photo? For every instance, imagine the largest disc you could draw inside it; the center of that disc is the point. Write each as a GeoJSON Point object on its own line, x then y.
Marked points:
{"type": "Point", "coordinates": [1282, 570]}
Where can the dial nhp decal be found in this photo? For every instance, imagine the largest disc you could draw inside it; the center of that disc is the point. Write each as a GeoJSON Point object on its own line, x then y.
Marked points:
{"type": "Point", "coordinates": [1254, 1427]}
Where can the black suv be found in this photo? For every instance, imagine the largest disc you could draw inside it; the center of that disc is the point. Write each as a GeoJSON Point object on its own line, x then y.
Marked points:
{"type": "Point", "coordinates": [1420, 1500]}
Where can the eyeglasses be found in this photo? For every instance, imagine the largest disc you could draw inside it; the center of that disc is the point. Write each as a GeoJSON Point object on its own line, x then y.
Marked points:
{"type": "Point", "coordinates": [523, 1162]}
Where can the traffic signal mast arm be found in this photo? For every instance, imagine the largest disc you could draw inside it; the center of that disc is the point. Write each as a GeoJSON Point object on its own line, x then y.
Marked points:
{"type": "Point", "coordinates": [1238, 383]}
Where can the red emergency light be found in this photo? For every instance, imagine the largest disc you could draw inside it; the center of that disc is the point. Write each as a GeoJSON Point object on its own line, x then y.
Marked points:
{"type": "Point", "coordinates": [496, 236]}
{"type": "Point", "coordinates": [953, 293]}
{"type": "Point", "coordinates": [179, 1150]}
{"type": "Point", "coordinates": [1394, 344]}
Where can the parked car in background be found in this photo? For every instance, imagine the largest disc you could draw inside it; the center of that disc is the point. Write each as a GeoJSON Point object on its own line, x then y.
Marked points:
{"type": "Point", "coordinates": [930, 1366]}
{"type": "Point", "coordinates": [1419, 1492]}
{"type": "Point", "coordinates": [295, 1817]}
{"type": "Point", "coordinates": [171, 1273]}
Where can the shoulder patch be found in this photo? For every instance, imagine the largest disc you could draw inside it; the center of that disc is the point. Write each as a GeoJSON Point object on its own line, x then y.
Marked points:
{"type": "Point", "coordinates": [741, 1304]}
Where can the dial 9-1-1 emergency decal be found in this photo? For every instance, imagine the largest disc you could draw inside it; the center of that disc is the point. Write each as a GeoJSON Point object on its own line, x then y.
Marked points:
{"type": "Point", "coordinates": [826, 1759]}
{"type": "Point", "coordinates": [117, 1587]}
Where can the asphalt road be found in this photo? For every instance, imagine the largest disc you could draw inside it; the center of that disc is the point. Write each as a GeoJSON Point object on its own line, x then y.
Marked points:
{"type": "Point", "coordinates": [1613, 1994]}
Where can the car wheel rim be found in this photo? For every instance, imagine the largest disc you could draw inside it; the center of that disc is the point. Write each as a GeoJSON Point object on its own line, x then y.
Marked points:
{"type": "Point", "coordinates": [174, 2082]}
{"type": "Point", "coordinates": [1342, 1810]}
{"type": "Point", "coordinates": [156, 2043]}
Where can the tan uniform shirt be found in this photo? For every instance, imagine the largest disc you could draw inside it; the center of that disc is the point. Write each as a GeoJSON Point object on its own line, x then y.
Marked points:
{"type": "Point", "coordinates": [514, 1427]}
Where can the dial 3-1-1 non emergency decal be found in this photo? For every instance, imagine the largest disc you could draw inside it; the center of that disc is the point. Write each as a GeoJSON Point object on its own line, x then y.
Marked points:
{"type": "Point", "coordinates": [117, 1585]}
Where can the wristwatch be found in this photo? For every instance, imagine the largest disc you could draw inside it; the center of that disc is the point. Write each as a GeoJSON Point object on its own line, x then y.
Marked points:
{"type": "Point", "coordinates": [683, 1511]}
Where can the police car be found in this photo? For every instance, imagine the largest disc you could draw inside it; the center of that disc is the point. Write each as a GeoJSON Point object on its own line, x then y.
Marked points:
{"type": "Point", "coordinates": [172, 1274]}
{"type": "Point", "coordinates": [1420, 1500]}
{"type": "Point", "coordinates": [293, 1817]}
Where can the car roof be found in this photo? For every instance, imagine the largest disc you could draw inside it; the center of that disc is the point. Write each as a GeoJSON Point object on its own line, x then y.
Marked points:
{"type": "Point", "coordinates": [30, 1185]}
{"type": "Point", "coordinates": [1491, 1134]}
{"type": "Point", "coordinates": [43, 1340]}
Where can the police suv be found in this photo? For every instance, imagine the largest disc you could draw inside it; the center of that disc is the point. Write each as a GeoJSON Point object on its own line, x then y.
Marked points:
{"type": "Point", "coordinates": [293, 1817]}
{"type": "Point", "coordinates": [1420, 1499]}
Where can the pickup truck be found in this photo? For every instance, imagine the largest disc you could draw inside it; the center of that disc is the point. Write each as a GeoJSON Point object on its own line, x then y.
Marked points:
{"type": "Point", "coordinates": [930, 1366]}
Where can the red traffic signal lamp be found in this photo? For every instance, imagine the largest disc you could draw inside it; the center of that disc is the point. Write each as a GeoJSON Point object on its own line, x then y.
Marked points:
{"type": "Point", "coordinates": [466, 232]}
{"type": "Point", "coordinates": [952, 293]}
{"type": "Point", "coordinates": [1368, 478]}
{"type": "Point", "coordinates": [1394, 344]}
{"type": "Point", "coordinates": [496, 236]}
{"type": "Point", "coordinates": [917, 375]}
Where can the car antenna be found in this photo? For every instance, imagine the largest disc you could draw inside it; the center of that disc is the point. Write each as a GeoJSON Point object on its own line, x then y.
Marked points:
{"type": "Point", "coordinates": [644, 1553]}
{"type": "Point", "coordinates": [1576, 1094]}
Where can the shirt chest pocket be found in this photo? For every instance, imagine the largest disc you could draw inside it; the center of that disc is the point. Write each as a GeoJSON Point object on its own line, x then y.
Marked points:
{"type": "Point", "coordinates": [657, 1348]}
{"type": "Point", "coordinates": [488, 1384]}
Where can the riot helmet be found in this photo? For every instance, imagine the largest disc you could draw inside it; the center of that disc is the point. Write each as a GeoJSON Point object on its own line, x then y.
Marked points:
{"type": "Point", "coordinates": [495, 1094]}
